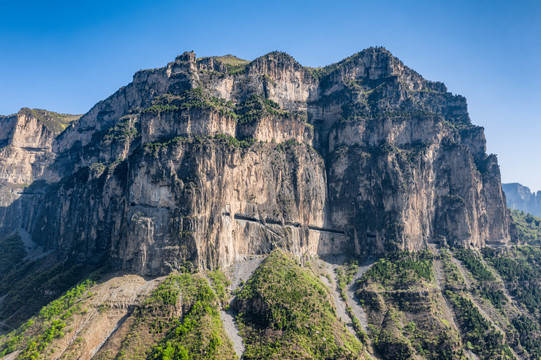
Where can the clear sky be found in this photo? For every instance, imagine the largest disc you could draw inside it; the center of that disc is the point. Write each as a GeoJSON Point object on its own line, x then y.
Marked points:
{"type": "Point", "coordinates": [67, 55]}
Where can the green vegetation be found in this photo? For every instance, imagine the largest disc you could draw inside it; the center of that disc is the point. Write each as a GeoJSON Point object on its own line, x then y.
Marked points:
{"type": "Point", "coordinates": [191, 99]}
{"type": "Point", "coordinates": [453, 277]}
{"type": "Point", "coordinates": [233, 142]}
{"type": "Point", "coordinates": [97, 168]}
{"type": "Point", "coordinates": [53, 121]}
{"type": "Point", "coordinates": [23, 282]}
{"type": "Point", "coordinates": [288, 144]}
{"type": "Point", "coordinates": [164, 296]}
{"type": "Point", "coordinates": [286, 312]}
{"type": "Point", "coordinates": [151, 321]}
{"type": "Point", "coordinates": [345, 276]}
{"type": "Point", "coordinates": [521, 270]}
{"type": "Point", "coordinates": [479, 335]}
{"type": "Point", "coordinates": [37, 346]}
{"type": "Point", "coordinates": [528, 331]}
{"type": "Point", "coordinates": [221, 139]}
{"type": "Point", "coordinates": [478, 270]}
{"type": "Point", "coordinates": [220, 282]}
{"type": "Point", "coordinates": [495, 296]}
{"type": "Point", "coordinates": [404, 312]}
{"type": "Point", "coordinates": [124, 131]}
{"type": "Point", "coordinates": [179, 320]}
{"type": "Point", "coordinates": [233, 64]}
{"type": "Point", "coordinates": [155, 147]}
{"type": "Point", "coordinates": [487, 287]}
{"type": "Point", "coordinates": [528, 227]}
{"type": "Point", "coordinates": [401, 269]}
{"type": "Point", "coordinates": [256, 107]}
{"type": "Point", "coordinates": [65, 305]}
{"type": "Point", "coordinates": [199, 334]}
{"type": "Point", "coordinates": [35, 335]}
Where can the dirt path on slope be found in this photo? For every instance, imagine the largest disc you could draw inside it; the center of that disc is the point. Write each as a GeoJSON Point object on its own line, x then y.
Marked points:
{"type": "Point", "coordinates": [440, 280]}
{"type": "Point", "coordinates": [350, 293]}
{"type": "Point", "coordinates": [330, 265]}
{"type": "Point", "coordinates": [239, 272]}
{"type": "Point", "coordinates": [473, 299]}
{"type": "Point", "coordinates": [339, 304]}
{"type": "Point", "coordinates": [107, 309]}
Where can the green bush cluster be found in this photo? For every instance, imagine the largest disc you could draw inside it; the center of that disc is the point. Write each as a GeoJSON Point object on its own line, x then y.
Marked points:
{"type": "Point", "coordinates": [453, 276]}
{"type": "Point", "coordinates": [257, 106]}
{"type": "Point", "coordinates": [233, 64]}
{"type": "Point", "coordinates": [125, 130]}
{"type": "Point", "coordinates": [345, 274]}
{"type": "Point", "coordinates": [219, 282]}
{"type": "Point", "coordinates": [53, 121]}
{"type": "Point", "coordinates": [286, 145]}
{"type": "Point", "coordinates": [478, 334]}
{"type": "Point", "coordinates": [528, 226]}
{"type": "Point", "coordinates": [528, 330]}
{"type": "Point", "coordinates": [64, 306]}
{"type": "Point", "coordinates": [164, 295]}
{"type": "Point", "coordinates": [36, 334]}
{"type": "Point", "coordinates": [233, 142]}
{"type": "Point", "coordinates": [401, 269]}
{"type": "Point", "coordinates": [194, 98]}
{"type": "Point", "coordinates": [286, 312]}
{"type": "Point", "coordinates": [199, 334]}
{"type": "Point", "coordinates": [521, 270]}
{"type": "Point", "coordinates": [474, 265]}
{"type": "Point", "coordinates": [36, 347]}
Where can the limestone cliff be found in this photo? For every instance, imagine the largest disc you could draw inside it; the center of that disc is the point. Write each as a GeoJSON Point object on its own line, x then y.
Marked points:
{"type": "Point", "coordinates": [205, 160]}
{"type": "Point", "coordinates": [520, 197]}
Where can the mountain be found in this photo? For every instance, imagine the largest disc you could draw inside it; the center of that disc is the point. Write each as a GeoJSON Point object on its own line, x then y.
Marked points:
{"type": "Point", "coordinates": [218, 207]}
{"type": "Point", "coordinates": [520, 197]}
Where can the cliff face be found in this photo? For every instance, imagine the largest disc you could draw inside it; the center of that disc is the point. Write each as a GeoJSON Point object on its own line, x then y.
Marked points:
{"type": "Point", "coordinates": [26, 141]}
{"type": "Point", "coordinates": [520, 197]}
{"type": "Point", "coordinates": [206, 160]}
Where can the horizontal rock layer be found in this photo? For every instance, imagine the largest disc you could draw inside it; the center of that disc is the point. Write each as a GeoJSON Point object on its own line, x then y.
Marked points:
{"type": "Point", "coordinates": [206, 160]}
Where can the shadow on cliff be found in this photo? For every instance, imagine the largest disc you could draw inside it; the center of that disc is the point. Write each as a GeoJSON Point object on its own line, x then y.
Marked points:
{"type": "Point", "coordinates": [32, 272]}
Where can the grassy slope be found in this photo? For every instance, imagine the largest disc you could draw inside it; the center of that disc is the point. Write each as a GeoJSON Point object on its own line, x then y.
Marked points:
{"type": "Point", "coordinates": [285, 312]}
{"type": "Point", "coordinates": [180, 320]}
{"type": "Point", "coordinates": [56, 122]}
{"type": "Point", "coordinates": [34, 337]}
{"type": "Point", "coordinates": [404, 309]}
{"type": "Point", "coordinates": [528, 227]}
{"type": "Point", "coordinates": [520, 269]}
{"type": "Point", "coordinates": [35, 283]}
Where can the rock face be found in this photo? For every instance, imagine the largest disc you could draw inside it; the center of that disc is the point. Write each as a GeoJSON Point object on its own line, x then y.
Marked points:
{"type": "Point", "coordinates": [206, 160]}
{"type": "Point", "coordinates": [26, 142]}
{"type": "Point", "coordinates": [520, 197]}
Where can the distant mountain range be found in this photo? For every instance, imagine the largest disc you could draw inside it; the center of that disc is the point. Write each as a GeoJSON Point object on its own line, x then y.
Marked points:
{"type": "Point", "coordinates": [520, 197]}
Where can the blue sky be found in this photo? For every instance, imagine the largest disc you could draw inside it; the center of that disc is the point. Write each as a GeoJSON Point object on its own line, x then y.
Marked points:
{"type": "Point", "coordinates": [65, 55]}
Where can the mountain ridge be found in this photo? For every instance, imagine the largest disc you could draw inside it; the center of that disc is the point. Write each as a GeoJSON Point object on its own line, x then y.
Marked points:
{"type": "Point", "coordinates": [222, 208]}
{"type": "Point", "coordinates": [203, 163]}
{"type": "Point", "coordinates": [369, 101]}
{"type": "Point", "coordinates": [520, 197]}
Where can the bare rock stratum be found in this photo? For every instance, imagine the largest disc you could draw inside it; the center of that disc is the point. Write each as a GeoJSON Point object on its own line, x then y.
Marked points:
{"type": "Point", "coordinates": [203, 161]}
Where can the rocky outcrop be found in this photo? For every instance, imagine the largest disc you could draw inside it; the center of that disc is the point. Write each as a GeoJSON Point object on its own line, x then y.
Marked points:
{"type": "Point", "coordinates": [26, 141]}
{"type": "Point", "coordinates": [520, 197]}
{"type": "Point", "coordinates": [206, 160]}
